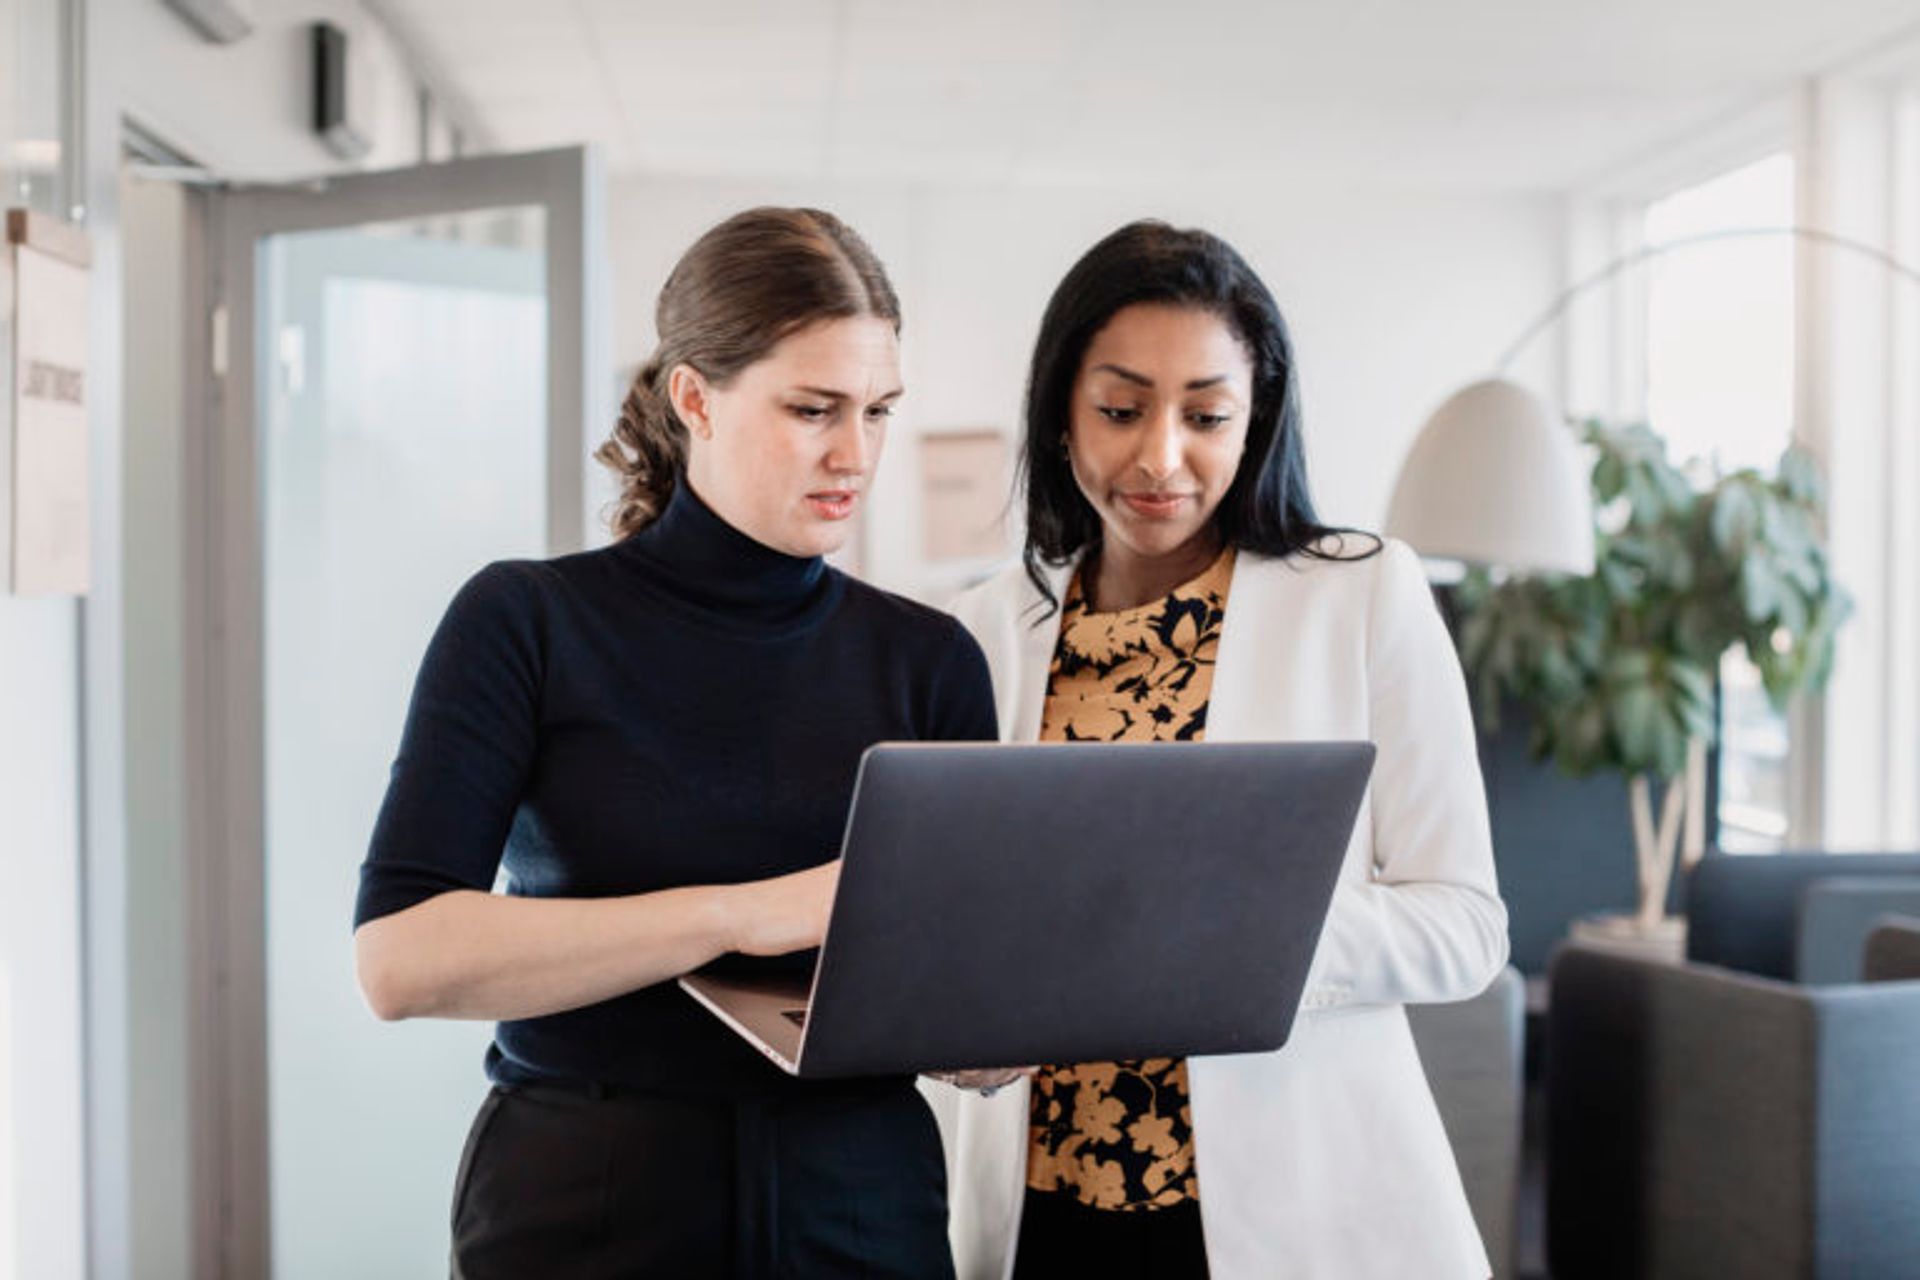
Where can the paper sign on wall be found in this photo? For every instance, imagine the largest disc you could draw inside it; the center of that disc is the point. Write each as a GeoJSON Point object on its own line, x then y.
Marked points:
{"type": "Point", "coordinates": [963, 492]}
{"type": "Point", "coordinates": [46, 498]}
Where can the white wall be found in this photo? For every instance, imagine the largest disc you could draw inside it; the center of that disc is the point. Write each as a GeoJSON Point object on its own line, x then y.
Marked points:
{"type": "Point", "coordinates": [42, 1122]}
{"type": "Point", "coordinates": [1395, 300]}
{"type": "Point", "coordinates": [258, 125]}
{"type": "Point", "coordinates": [40, 1039]}
{"type": "Point", "coordinates": [241, 110]}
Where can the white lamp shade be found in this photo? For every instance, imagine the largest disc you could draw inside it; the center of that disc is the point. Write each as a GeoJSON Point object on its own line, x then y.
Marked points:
{"type": "Point", "coordinates": [1495, 479]}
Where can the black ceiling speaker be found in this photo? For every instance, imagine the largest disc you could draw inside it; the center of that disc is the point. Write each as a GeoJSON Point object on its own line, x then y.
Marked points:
{"type": "Point", "coordinates": [335, 118]}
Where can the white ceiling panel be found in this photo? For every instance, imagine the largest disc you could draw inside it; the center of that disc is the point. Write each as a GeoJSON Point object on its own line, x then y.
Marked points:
{"type": "Point", "coordinates": [1469, 93]}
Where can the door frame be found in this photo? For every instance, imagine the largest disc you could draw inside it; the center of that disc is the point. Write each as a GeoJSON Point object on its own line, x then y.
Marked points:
{"type": "Point", "coordinates": [225, 598]}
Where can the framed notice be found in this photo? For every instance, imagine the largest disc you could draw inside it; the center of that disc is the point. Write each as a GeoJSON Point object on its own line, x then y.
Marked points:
{"type": "Point", "coordinates": [964, 494]}
{"type": "Point", "coordinates": [43, 492]}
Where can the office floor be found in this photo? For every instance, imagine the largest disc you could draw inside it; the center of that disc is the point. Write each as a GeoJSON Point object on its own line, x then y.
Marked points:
{"type": "Point", "coordinates": [1530, 1215]}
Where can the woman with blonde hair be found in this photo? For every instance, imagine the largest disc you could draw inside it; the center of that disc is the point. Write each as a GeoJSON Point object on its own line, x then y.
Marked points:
{"type": "Point", "coordinates": [658, 742]}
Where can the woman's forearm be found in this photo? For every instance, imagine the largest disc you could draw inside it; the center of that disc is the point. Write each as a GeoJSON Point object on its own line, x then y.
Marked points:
{"type": "Point", "coordinates": [1407, 944]}
{"type": "Point", "coordinates": [467, 954]}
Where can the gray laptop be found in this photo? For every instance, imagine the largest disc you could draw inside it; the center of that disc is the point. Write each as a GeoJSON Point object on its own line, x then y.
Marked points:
{"type": "Point", "coordinates": [1004, 905]}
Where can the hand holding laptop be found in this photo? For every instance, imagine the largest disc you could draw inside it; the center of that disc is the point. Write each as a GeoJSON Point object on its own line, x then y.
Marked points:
{"type": "Point", "coordinates": [1009, 903]}
{"type": "Point", "coordinates": [783, 914]}
{"type": "Point", "coordinates": [985, 1079]}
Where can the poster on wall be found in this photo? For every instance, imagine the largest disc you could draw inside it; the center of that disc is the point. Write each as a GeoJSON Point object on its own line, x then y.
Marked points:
{"type": "Point", "coordinates": [963, 490]}
{"type": "Point", "coordinates": [45, 493]}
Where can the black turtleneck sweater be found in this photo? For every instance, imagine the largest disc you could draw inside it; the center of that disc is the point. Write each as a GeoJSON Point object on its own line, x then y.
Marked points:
{"type": "Point", "coordinates": [684, 707]}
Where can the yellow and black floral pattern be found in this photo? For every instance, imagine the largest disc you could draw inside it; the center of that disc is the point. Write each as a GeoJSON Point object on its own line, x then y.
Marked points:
{"type": "Point", "coordinates": [1119, 1135]}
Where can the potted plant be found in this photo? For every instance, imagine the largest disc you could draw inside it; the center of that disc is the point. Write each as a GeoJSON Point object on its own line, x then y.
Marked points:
{"type": "Point", "coordinates": [1617, 669]}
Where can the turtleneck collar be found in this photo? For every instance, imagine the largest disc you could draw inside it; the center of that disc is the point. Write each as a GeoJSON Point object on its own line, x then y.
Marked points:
{"type": "Point", "coordinates": [708, 563]}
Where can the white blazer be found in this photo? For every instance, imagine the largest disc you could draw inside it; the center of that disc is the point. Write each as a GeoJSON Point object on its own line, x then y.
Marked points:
{"type": "Point", "coordinates": [1325, 1159]}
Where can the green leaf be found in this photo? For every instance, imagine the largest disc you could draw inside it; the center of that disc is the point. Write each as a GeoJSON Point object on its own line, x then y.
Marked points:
{"type": "Point", "coordinates": [1800, 477]}
{"type": "Point", "coordinates": [1639, 721]}
{"type": "Point", "coordinates": [1609, 478]}
{"type": "Point", "coordinates": [1734, 519]}
{"type": "Point", "coordinates": [1692, 699]}
{"type": "Point", "coordinates": [1759, 589]}
{"type": "Point", "coordinates": [1697, 632]}
{"type": "Point", "coordinates": [1791, 613]}
{"type": "Point", "coordinates": [1616, 668]}
{"type": "Point", "coordinates": [1676, 492]}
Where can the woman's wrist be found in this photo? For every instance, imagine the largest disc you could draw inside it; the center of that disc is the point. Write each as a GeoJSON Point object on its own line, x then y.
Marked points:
{"type": "Point", "coordinates": [719, 914]}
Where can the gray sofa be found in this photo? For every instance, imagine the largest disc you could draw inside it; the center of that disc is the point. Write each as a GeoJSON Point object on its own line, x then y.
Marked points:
{"type": "Point", "coordinates": [1893, 950]}
{"type": "Point", "coordinates": [1471, 1052]}
{"type": "Point", "coordinates": [1835, 916]}
{"type": "Point", "coordinates": [1704, 1122]}
{"type": "Point", "coordinates": [1745, 911]}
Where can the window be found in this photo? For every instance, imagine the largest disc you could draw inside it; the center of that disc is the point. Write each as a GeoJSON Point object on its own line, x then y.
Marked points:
{"type": "Point", "coordinates": [1720, 389]}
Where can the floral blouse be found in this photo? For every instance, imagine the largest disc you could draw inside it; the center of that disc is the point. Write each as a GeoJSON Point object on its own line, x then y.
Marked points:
{"type": "Point", "coordinates": [1119, 1135]}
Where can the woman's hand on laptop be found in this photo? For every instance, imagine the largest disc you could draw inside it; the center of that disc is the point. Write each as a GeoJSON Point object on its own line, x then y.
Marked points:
{"type": "Point", "coordinates": [988, 1080]}
{"type": "Point", "coordinates": [782, 914]}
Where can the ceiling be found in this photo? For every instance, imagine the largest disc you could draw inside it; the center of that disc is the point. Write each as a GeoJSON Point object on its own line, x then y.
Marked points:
{"type": "Point", "coordinates": [1470, 94]}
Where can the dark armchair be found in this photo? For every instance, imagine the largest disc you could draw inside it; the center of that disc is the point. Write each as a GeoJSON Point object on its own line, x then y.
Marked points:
{"type": "Point", "coordinates": [1746, 912]}
{"type": "Point", "coordinates": [1707, 1122]}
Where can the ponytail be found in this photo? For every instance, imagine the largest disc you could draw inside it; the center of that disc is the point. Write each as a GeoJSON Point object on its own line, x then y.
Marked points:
{"type": "Point", "coordinates": [648, 449]}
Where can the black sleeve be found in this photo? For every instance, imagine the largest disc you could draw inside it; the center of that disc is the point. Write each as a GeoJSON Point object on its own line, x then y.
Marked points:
{"type": "Point", "coordinates": [962, 709]}
{"type": "Point", "coordinates": [466, 752]}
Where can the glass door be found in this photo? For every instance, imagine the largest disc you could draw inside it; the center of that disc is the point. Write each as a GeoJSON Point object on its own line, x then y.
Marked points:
{"type": "Point", "coordinates": [408, 390]}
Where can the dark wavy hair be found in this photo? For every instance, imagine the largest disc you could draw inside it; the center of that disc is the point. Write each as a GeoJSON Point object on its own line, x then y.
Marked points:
{"type": "Point", "coordinates": [1267, 508]}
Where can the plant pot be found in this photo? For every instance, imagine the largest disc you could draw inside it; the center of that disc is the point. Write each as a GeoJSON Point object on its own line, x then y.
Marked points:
{"type": "Point", "coordinates": [1665, 940]}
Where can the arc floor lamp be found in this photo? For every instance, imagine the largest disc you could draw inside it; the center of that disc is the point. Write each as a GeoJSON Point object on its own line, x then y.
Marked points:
{"type": "Point", "coordinates": [1495, 477]}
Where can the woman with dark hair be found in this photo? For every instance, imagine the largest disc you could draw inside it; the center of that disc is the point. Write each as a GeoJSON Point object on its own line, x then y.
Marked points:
{"type": "Point", "coordinates": [1176, 585]}
{"type": "Point", "coordinates": [658, 741]}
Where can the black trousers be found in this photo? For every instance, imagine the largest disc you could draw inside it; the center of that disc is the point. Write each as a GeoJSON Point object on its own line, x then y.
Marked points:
{"type": "Point", "coordinates": [1060, 1237]}
{"type": "Point", "coordinates": [565, 1184]}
